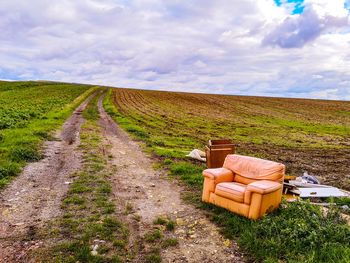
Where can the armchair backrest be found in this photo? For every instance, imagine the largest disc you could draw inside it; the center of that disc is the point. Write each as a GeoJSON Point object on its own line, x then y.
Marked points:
{"type": "Point", "coordinates": [250, 169]}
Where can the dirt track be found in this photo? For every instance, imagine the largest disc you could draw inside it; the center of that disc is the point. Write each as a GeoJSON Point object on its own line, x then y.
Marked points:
{"type": "Point", "coordinates": [152, 195]}
{"type": "Point", "coordinates": [34, 198]}
{"type": "Point", "coordinates": [35, 195]}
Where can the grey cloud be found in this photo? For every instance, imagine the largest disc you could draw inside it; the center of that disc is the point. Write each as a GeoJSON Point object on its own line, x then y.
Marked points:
{"type": "Point", "coordinates": [296, 31]}
{"type": "Point", "coordinates": [198, 46]}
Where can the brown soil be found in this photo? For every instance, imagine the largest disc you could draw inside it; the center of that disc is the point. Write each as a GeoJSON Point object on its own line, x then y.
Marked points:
{"type": "Point", "coordinates": [35, 196]}
{"type": "Point", "coordinates": [152, 195]}
{"type": "Point", "coordinates": [331, 166]}
{"type": "Point", "coordinates": [293, 141]}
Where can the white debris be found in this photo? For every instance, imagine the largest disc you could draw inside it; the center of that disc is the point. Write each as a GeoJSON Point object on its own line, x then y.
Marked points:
{"type": "Point", "coordinates": [198, 155]}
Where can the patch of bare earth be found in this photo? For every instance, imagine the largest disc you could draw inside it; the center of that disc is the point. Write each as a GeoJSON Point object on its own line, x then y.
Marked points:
{"type": "Point", "coordinates": [151, 195]}
{"type": "Point", "coordinates": [331, 166]}
{"type": "Point", "coordinates": [34, 197]}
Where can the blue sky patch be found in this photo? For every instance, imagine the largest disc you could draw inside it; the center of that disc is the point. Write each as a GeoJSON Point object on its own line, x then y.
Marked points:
{"type": "Point", "coordinates": [298, 8]}
{"type": "Point", "coordinates": [347, 5]}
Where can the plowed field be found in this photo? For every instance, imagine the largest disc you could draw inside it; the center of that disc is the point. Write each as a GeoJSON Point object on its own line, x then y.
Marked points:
{"type": "Point", "coordinates": [306, 135]}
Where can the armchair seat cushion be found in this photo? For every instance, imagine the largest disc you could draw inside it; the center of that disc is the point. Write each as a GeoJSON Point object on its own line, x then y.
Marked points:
{"type": "Point", "coordinates": [264, 186]}
{"type": "Point", "coordinates": [233, 191]}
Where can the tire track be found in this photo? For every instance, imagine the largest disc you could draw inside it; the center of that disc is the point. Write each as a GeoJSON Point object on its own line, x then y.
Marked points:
{"type": "Point", "coordinates": [152, 196]}
{"type": "Point", "coordinates": [34, 197]}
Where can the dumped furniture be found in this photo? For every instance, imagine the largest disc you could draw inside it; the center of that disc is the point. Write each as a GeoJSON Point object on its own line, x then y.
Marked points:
{"type": "Point", "coordinates": [216, 152]}
{"type": "Point", "coordinates": [245, 185]}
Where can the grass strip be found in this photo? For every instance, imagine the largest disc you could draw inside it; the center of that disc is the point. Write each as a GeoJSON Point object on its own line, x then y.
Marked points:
{"type": "Point", "coordinates": [89, 230]}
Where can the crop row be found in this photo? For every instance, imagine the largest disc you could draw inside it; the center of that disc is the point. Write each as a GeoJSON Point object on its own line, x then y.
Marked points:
{"type": "Point", "coordinates": [171, 123]}
{"type": "Point", "coordinates": [304, 134]}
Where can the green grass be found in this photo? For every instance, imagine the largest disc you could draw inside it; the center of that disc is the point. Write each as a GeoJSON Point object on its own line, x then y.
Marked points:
{"type": "Point", "coordinates": [153, 236]}
{"type": "Point", "coordinates": [295, 132]}
{"type": "Point", "coordinates": [29, 113]}
{"type": "Point", "coordinates": [88, 208]}
{"type": "Point", "coordinates": [158, 239]}
{"type": "Point", "coordinates": [169, 242]}
{"type": "Point", "coordinates": [297, 232]}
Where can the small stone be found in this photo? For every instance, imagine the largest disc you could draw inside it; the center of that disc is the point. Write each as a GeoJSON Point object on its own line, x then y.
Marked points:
{"type": "Point", "coordinates": [153, 185]}
{"type": "Point", "coordinates": [94, 250]}
{"type": "Point", "coordinates": [345, 207]}
{"type": "Point", "coordinates": [180, 221]}
{"type": "Point", "coordinates": [190, 232]}
{"type": "Point", "coordinates": [67, 182]}
{"type": "Point", "coordinates": [227, 243]}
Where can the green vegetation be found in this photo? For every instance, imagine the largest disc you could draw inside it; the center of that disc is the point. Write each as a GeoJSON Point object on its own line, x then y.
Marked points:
{"type": "Point", "coordinates": [89, 230]}
{"type": "Point", "coordinates": [29, 113]}
{"type": "Point", "coordinates": [153, 236]}
{"type": "Point", "coordinates": [296, 132]}
{"type": "Point", "coordinates": [297, 232]}
{"type": "Point", "coordinates": [159, 238]}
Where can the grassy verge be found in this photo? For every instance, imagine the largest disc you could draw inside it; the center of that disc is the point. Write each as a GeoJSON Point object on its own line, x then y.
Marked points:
{"type": "Point", "coordinates": [20, 145]}
{"type": "Point", "coordinates": [89, 230]}
{"type": "Point", "coordinates": [297, 232]}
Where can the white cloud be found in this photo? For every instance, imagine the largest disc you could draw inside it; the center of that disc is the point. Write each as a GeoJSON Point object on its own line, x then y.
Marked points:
{"type": "Point", "coordinates": [198, 45]}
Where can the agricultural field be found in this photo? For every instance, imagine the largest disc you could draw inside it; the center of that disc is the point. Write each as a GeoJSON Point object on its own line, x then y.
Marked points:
{"type": "Point", "coordinates": [91, 194]}
{"type": "Point", "coordinates": [29, 112]}
{"type": "Point", "coordinates": [305, 135]}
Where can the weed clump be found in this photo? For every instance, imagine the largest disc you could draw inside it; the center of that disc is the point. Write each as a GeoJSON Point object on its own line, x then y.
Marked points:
{"type": "Point", "coordinates": [153, 236]}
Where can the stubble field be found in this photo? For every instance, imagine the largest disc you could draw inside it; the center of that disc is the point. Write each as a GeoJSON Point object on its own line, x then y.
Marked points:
{"type": "Point", "coordinates": [305, 135]}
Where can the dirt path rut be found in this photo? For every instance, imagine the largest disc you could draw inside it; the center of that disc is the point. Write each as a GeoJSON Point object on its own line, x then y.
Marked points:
{"type": "Point", "coordinates": [35, 195]}
{"type": "Point", "coordinates": [151, 195]}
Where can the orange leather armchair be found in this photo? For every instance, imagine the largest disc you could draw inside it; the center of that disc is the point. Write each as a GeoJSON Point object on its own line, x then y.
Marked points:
{"type": "Point", "coordinates": [245, 185]}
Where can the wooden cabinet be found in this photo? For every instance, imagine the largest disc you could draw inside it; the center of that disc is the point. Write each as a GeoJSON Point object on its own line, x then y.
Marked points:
{"type": "Point", "coordinates": [216, 152]}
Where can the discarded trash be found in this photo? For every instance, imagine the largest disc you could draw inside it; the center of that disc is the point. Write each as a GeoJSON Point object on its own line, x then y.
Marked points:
{"type": "Point", "coordinates": [322, 192]}
{"type": "Point", "coordinates": [309, 178]}
{"type": "Point", "coordinates": [216, 152]}
{"type": "Point", "coordinates": [307, 186]}
{"type": "Point", "coordinates": [197, 154]}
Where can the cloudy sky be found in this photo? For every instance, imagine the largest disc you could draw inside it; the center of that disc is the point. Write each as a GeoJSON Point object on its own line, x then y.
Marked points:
{"type": "Point", "coordinates": [289, 48]}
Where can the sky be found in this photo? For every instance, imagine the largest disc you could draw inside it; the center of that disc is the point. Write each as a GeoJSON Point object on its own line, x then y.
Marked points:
{"type": "Point", "coordinates": [284, 48]}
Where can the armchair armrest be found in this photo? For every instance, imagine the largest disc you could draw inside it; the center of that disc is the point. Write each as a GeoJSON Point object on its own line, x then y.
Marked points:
{"type": "Point", "coordinates": [212, 177]}
{"type": "Point", "coordinates": [219, 175]}
{"type": "Point", "coordinates": [264, 186]}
